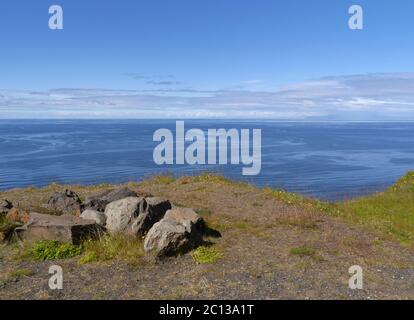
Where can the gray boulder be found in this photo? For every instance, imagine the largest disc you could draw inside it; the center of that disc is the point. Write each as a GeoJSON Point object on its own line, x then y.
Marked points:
{"type": "Point", "coordinates": [121, 214]}
{"type": "Point", "coordinates": [167, 238]}
{"type": "Point", "coordinates": [180, 230]}
{"type": "Point", "coordinates": [65, 228]}
{"type": "Point", "coordinates": [94, 215]}
{"type": "Point", "coordinates": [64, 202]}
{"type": "Point", "coordinates": [135, 215]}
{"type": "Point", "coordinates": [99, 201]}
{"type": "Point", "coordinates": [5, 206]}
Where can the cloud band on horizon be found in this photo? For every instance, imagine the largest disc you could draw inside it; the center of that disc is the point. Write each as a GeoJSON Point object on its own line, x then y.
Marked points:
{"type": "Point", "coordinates": [370, 97]}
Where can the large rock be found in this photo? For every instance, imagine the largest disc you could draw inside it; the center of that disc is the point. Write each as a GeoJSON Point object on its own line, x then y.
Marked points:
{"type": "Point", "coordinates": [65, 228]}
{"type": "Point", "coordinates": [153, 212]}
{"type": "Point", "coordinates": [180, 230]}
{"type": "Point", "coordinates": [121, 214]}
{"type": "Point", "coordinates": [187, 217]}
{"type": "Point", "coordinates": [94, 215]}
{"type": "Point", "coordinates": [167, 238]}
{"type": "Point", "coordinates": [99, 201]}
{"type": "Point", "coordinates": [67, 202]}
{"type": "Point", "coordinates": [5, 206]}
{"type": "Point", "coordinates": [135, 215]}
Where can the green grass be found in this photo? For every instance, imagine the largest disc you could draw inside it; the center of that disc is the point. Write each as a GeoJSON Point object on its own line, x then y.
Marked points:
{"type": "Point", "coordinates": [21, 273]}
{"type": "Point", "coordinates": [163, 179]}
{"type": "Point", "coordinates": [113, 247]}
{"type": "Point", "coordinates": [391, 212]}
{"type": "Point", "coordinates": [302, 251]}
{"type": "Point", "coordinates": [213, 178]}
{"type": "Point", "coordinates": [14, 275]}
{"type": "Point", "coordinates": [7, 227]}
{"type": "Point", "coordinates": [210, 178]}
{"type": "Point", "coordinates": [89, 257]}
{"type": "Point", "coordinates": [241, 225]}
{"type": "Point", "coordinates": [109, 247]}
{"type": "Point", "coordinates": [285, 197]}
{"type": "Point", "coordinates": [54, 250]}
{"type": "Point", "coordinates": [206, 255]}
{"type": "Point", "coordinates": [204, 212]}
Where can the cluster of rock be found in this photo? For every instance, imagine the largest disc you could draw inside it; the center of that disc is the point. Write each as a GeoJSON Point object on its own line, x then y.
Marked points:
{"type": "Point", "coordinates": [166, 230]}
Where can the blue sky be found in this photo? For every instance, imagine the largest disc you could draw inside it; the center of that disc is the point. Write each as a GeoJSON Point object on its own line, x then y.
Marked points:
{"type": "Point", "coordinates": [293, 59]}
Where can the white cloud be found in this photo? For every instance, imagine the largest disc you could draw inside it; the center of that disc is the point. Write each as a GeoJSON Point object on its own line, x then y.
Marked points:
{"type": "Point", "coordinates": [358, 97]}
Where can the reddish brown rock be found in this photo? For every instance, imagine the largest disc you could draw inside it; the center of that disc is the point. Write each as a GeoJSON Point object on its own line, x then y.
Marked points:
{"type": "Point", "coordinates": [65, 228]}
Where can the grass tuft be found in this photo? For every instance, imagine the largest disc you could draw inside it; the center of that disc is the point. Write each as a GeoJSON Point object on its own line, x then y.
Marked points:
{"type": "Point", "coordinates": [206, 255]}
{"type": "Point", "coordinates": [54, 250]}
{"type": "Point", "coordinates": [302, 251]}
{"type": "Point", "coordinates": [7, 227]}
{"type": "Point", "coordinates": [113, 247]}
{"type": "Point", "coordinates": [21, 273]}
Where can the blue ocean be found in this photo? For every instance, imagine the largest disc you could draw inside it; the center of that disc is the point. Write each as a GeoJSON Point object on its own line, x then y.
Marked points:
{"type": "Point", "coordinates": [332, 161]}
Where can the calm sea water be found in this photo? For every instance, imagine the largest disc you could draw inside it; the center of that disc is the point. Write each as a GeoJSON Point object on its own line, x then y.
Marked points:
{"type": "Point", "coordinates": [324, 160]}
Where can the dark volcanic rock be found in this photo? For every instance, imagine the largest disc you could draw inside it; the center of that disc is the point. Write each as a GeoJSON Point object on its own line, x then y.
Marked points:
{"type": "Point", "coordinates": [65, 228]}
{"type": "Point", "coordinates": [99, 201]}
{"type": "Point", "coordinates": [64, 202]}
